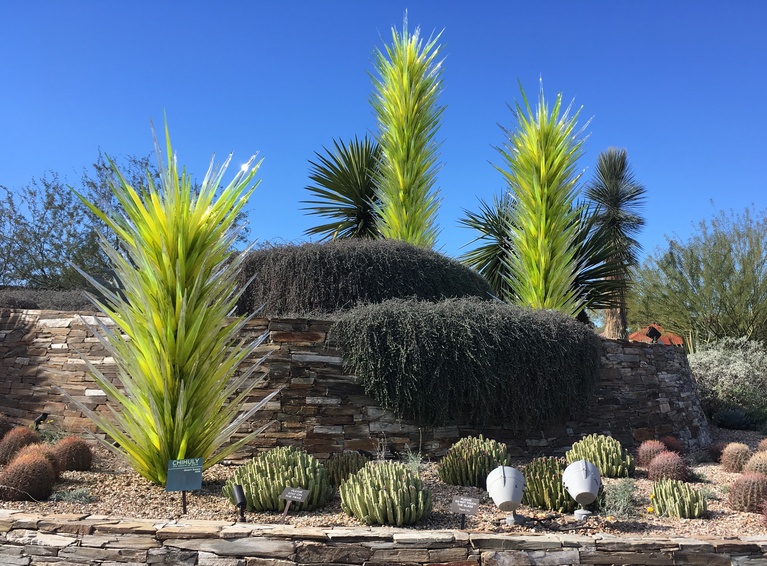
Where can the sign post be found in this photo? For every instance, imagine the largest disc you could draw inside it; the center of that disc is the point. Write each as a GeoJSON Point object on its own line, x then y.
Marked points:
{"type": "Point", "coordinates": [464, 506]}
{"type": "Point", "coordinates": [184, 475]}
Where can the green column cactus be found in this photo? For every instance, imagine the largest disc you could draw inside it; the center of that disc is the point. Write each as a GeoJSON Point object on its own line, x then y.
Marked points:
{"type": "Point", "coordinates": [470, 459]}
{"type": "Point", "coordinates": [606, 453]}
{"type": "Point", "coordinates": [543, 485]}
{"type": "Point", "coordinates": [674, 498]}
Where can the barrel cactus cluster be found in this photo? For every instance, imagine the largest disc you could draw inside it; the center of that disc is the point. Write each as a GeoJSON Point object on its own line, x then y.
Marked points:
{"type": "Point", "coordinates": [385, 493]}
{"type": "Point", "coordinates": [675, 498]}
{"type": "Point", "coordinates": [265, 477]}
{"type": "Point", "coordinates": [606, 453]}
{"type": "Point", "coordinates": [471, 459]}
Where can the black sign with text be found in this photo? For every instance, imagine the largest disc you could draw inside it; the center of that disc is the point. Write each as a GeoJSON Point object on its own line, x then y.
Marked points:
{"type": "Point", "coordinates": [295, 494]}
{"type": "Point", "coordinates": [184, 475]}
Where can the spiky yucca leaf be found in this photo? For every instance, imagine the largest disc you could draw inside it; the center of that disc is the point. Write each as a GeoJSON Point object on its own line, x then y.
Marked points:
{"type": "Point", "coordinates": [405, 104]}
{"type": "Point", "coordinates": [541, 157]}
{"type": "Point", "coordinates": [177, 277]}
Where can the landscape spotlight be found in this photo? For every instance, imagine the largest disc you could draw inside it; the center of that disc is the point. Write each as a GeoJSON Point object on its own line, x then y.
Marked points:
{"type": "Point", "coordinates": [582, 481]}
{"type": "Point", "coordinates": [240, 501]}
{"type": "Point", "coordinates": [506, 485]}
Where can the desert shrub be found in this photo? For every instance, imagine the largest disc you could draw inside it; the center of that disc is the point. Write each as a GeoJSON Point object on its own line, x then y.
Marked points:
{"type": "Point", "coordinates": [732, 419]}
{"type": "Point", "coordinates": [674, 498]}
{"type": "Point", "coordinates": [734, 456]}
{"type": "Point", "coordinates": [672, 444]}
{"type": "Point", "coordinates": [14, 440]}
{"type": "Point", "coordinates": [264, 478]}
{"type": "Point", "coordinates": [748, 492]}
{"type": "Point", "coordinates": [762, 446]}
{"type": "Point", "coordinates": [385, 493]}
{"type": "Point", "coordinates": [5, 426]}
{"type": "Point", "coordinates": [648, 450]}
{"type": "Point", "coordinates": [27, 478]}
{"type": "Point", "coordinates": [341, 274]}
{"type": "Point", "coordinates": [606, 453]}
{"type": "Point", "coordinates": [489, 362]}
{"type": "Point", "coordinates": [619, 499]}
{"type": "Point", "coordinates": [73, 454]}
{"type": "Point", "coordinates": [46, 450]}
{"type": "Point", "coordinates": [757, 463]}
{"type": "Point", "coordinates": [341, 466]}
{"type": "Point", "coordinates": [471, 459]}
{"type": "Point", "coordinates": [668, 466]}
{"type": "Point", "coordinates": [731, 372]}
{"type": "Point", "coordinates": [45, 299]}
{"type": "Point", "coordinates": [543, 485]}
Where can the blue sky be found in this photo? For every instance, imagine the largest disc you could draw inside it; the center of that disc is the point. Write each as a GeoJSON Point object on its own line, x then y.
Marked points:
{"type": "Point", "coordinates": [681, 85]}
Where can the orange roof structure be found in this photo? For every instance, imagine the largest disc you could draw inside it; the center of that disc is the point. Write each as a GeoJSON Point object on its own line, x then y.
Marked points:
{"type": "Point", "coordinates": [668, 338]}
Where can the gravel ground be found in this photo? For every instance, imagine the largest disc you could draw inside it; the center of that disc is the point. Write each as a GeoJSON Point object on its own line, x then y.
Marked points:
{"type": "Point", "coordinates": [112, 488]}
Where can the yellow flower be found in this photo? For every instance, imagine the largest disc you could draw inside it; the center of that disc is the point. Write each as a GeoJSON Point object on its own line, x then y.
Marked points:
{"type": "Point", "coordinates": [650, 509]}
{"type": "Point", "coordinates": [652, 496]}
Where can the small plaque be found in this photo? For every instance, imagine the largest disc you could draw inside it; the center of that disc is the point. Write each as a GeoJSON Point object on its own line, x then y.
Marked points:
{"type": "Point", "coordinates": [184, 475]}
{"type": "Point", "coordinates": [465, 505]}
{"type": "Point", "coordinates": [295, 494]}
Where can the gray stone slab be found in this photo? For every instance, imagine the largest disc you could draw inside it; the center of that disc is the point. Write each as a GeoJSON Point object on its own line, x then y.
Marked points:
{"type": "Point", "coordinates": [251, 546]}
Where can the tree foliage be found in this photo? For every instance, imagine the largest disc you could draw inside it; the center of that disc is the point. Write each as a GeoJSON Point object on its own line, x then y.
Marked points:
{"type": "Point", "coordinates": [405, 104]}
{"type": "Point", "coordinates": [712, 286]}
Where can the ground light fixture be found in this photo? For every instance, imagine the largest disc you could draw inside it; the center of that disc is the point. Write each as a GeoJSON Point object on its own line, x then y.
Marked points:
{"type": "Point", "coordinates": [240, 501]}
{"type": "Point", "coordinates": [506, 485]}
{"type": "Point", "coordinates": [582, 481]}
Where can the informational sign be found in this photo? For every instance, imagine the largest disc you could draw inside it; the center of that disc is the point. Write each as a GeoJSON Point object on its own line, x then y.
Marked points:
{"type": "Point", "coordinates": [184, 475]}
{"type": "Point", "coordinates": [465, 505]}
{"type": "Point", "coordinates": [295, 494]}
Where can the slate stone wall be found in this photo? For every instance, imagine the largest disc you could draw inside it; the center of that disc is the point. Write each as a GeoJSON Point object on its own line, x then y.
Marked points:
{"type": "Point", "coordinates": [644, 391]}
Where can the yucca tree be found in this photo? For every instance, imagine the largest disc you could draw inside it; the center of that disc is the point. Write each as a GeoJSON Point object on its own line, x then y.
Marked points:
{"type": "Point", "coordinates": [175, 347]}
{"type": "Point", "coordinates": [618, 197]}
{"type": "Point", "coordinates": [406, 89]}
{"type": "Point", "coordinates": [540, 159]}
{"type": "Point", "coordinates": [345, 190]}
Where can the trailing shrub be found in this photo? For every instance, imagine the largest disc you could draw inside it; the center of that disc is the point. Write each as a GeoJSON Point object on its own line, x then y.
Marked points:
{"type": "Point", "coordinates": [73, 454]}
{"type": "Point", "coordinates": [648, 450]}
{"type": "Point", "coordinates": [734, 456]}
{"type": "Point", "coordinates": [341, 274]}
{"type": "Point", "coordinates": [45, 450]}
{"type": "Point", "coordinates": [45, 299]}
{"type": "Point", "coordinates": [731, 372]}
{"type": "Point", "coordinates": [672, 444]}
{"type": "Point", "coordinates": [385, 493]}
{"type": "Point", "coordinates": [16, 439]}
{"type": "Point", "coordinates": [732, 419]}
{"type": "Point", "coordinates": [471, 459]}
{"type": "Point", "coordinates": [606, 453]}
{"type": "Point", "coordinates": [30, 477]}
{"type": "Point", "coordinates": [674, 498]}
{"type": "Point", "coordinates": [341, 466]}
{"type": "Point", "coordinates": [489, 362]}
{"type": "Point", "coordinates": [748, 492]}
{"type": "Point", "coordinates": [668, 466]}
{"type": "Point", "coordinates": [265, 477]}
{"type": "Point", "coordinates": [543, 485]}
{"type": "Point", "coordinates": [757, 463]}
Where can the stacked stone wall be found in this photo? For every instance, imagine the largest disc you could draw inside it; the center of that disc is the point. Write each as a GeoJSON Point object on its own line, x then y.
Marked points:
{"type": "Point", "coordinates": [644, 391]}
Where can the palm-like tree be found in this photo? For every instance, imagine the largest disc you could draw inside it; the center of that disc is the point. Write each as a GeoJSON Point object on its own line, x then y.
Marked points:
{"type": "Point", "coordinates": [407, 86]}
{"type": "Point", "coordinates": [345, 190]}
{"type": "Point", "coordinates": [618, 197]}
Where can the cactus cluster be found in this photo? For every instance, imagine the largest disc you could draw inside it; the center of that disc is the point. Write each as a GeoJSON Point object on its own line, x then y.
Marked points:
{"type": "Point", "coordinates": [265, 477]}
{"type": "Point", "coordinates": [341, 466]}
{"type": "Point", "coordinates": [748, 492]}
{"type": "Point", "coordinates": [648, 450]}
{"type": "Point", "coordinates": [73, 454]}
{"type": "Point", "coordinates": [385, 493]}
{"type": "Point", "coordinates": [27, 477]}
{"type": "Point", "coordinates": [606, 453]}
{"type": "Point", "coordinates": [668, 466]}
{"type": "Point", "coordinates": [757, 463]}
{"type": "Point", "coordinates": [16, 439]}
{"type": "Point", "coordinates": [734, 456]}
{"type": "Point", "coordinates": [674, 498]}
{"type": "Point", "coordinates": [471, 459]}
{"type": "Point", "coordinates": [543, 485]}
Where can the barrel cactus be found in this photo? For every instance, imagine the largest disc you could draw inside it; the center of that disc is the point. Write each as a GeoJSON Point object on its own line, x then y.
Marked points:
{"type": "Point", "coordinates": [757, 463]}
{"type": "Point", "coordinates": [471, 459]}
{"type": "Point", "coordinates": [606, 453]}
{"type": "Point", "coordinates": [16, 439]}
{"type": "Point", "coordinates": [543, 485]}
{"type": "Point", "coordinates": [385, 493]}
{"type": "Point", "coordinates": [73, 454]}
{"type": "Point", "coordinates": [341, 466]}
{"type": "Point", "coordinates": [749, 492]}
{"type": "Point", "coordinates": [668, 466]}
{"type": "Point", "coordinates": [734, 456]}
{"type": "Point", "coordinates": [45, 450]}
{"type": "Point", "coordinates": [27, 477]}
{"type": "Point", "coordinates": [674, 498]}
{"type": "Point", "coordinates": [648, 450]}
{"type": "Point", "coordinates": [265, 477]}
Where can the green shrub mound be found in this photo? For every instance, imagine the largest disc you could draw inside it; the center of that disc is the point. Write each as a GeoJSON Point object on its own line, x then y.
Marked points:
{"type": "Point", "coordinates": [16, 439]}
{"type": "Point", "coordinates": [341, 466]}
{"type": "Point", "coordinates": [27, 478]}
{"type": "Point", "coordinates": [385, 493]}
{"type": "Point", "coordinates": [543, 485]}
{"type": "Point", "coordinates": [341, 274]}
{"type": "Point", "coordinates": [606, 453]}
{"type": "Point", "coordinates": [45, 299]}
{"type": "Point", "coordinates": [734, 457]}
{"type": "Point", "coordinates": [486, 362]}
{"type": "Point", "coordinates": [471, 459]}
{"type": "Point", "coordinates": [267, 475]}
{"type": "Point", "coordinates": [732, 419]}
{"type": "Point", "coordinates": [674, 498]}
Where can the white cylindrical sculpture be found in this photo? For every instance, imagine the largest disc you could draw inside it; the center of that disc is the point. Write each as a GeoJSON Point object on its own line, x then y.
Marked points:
{"type": "Point", "coordinates": [582, 481]}
{"type": "Point", "coordinates": [506, 486]}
